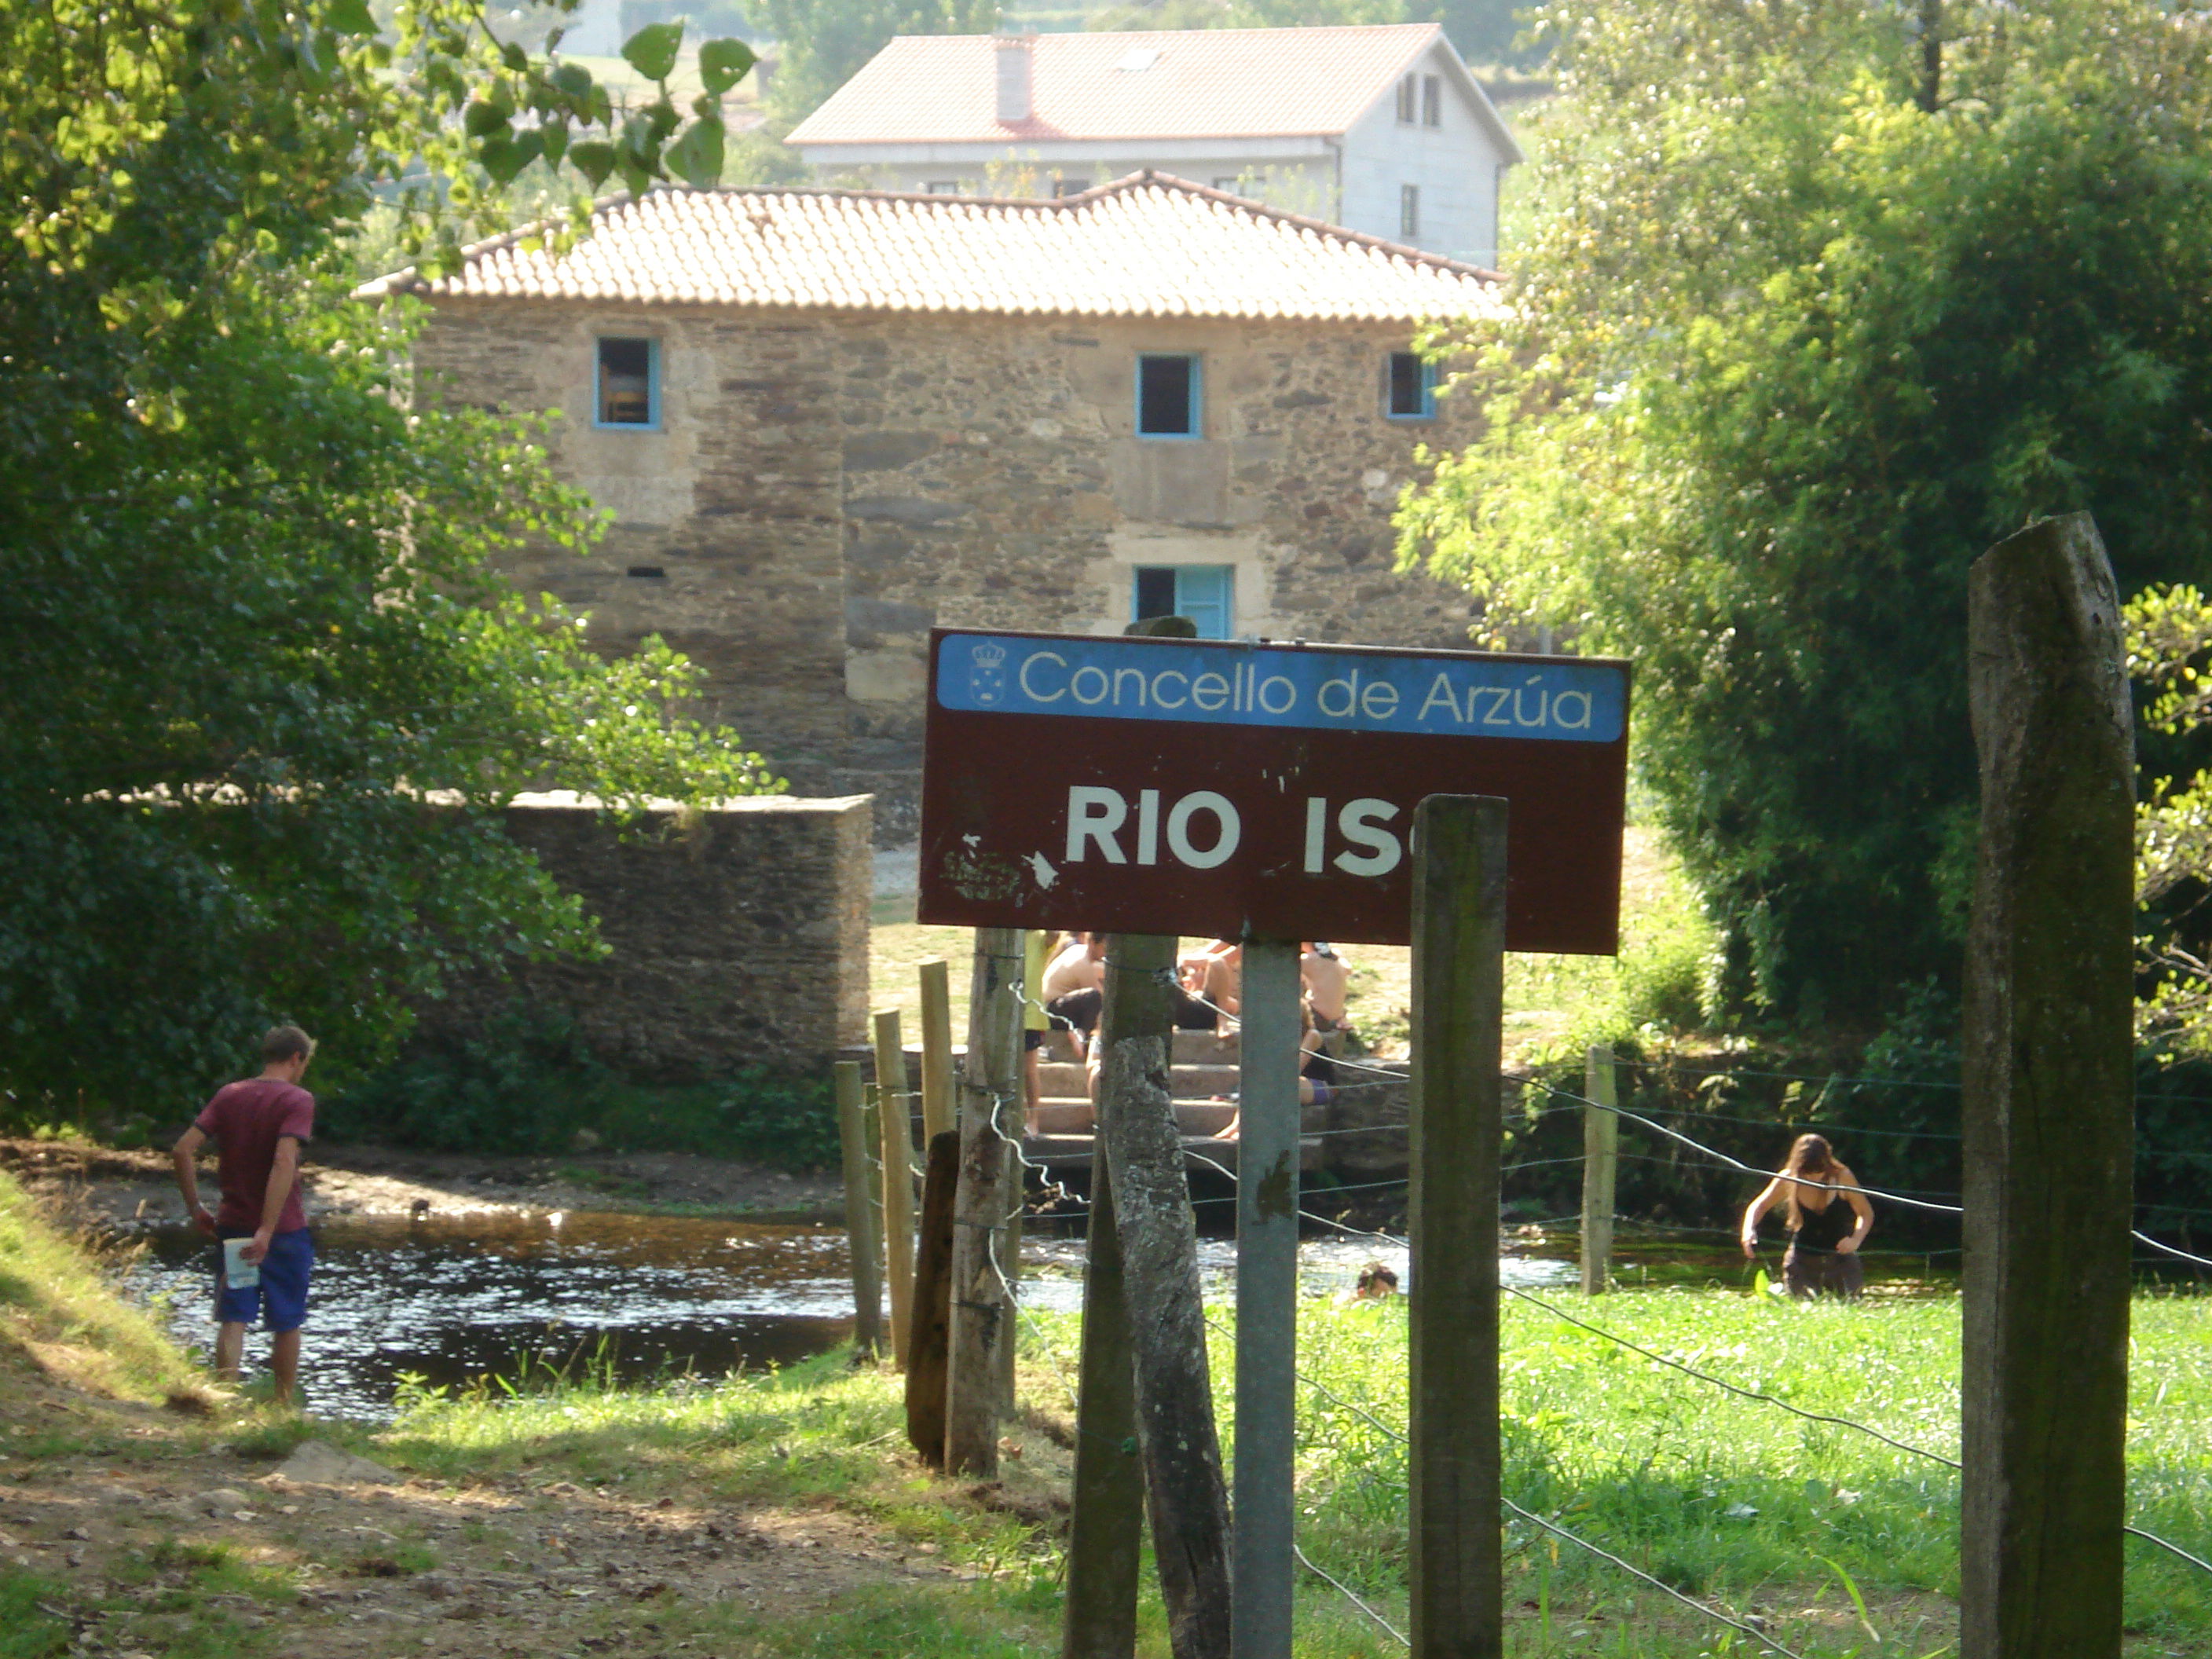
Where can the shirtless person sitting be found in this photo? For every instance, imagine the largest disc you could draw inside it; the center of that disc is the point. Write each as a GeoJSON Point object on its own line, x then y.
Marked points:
{"type": "Point", "coordinates": [1215, 973]}
{"type": "Point", "coordinates": [1327, 979]}
{"type": "Point", "coordinates": [1074, 989]}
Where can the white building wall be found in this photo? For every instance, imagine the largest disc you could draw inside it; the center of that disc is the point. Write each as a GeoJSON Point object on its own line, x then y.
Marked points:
{"type": "Point", "coordinates": [1355, 181]}
{"type": "Point", "coordinates": [1454, 165]}
{"type": "Point", "coordinates": [1291, 183]}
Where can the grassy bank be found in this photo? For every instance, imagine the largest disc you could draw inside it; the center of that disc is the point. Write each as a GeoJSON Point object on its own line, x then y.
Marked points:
{"type": "Point", "coordinates": [780, 1514]}
{"type": "Point", "coordinates": [61, 1321]}
{"type": "Point", "coordinates": [1825, 1533]}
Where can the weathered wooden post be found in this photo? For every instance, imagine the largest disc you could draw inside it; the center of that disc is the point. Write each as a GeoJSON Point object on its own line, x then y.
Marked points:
{"type": "Point", "coordinates": [1267, 1300]}
{"type": "Point", "coordinates": [933, 1302]}
{"type": "Point", "coordinates": [2049, 1104]}
{"type": "Point", "coordinates": [896, 1124]}
{"type": "Point", "coordinates": [1188, 1500]}
{"type": "Point", "coordinates": [1456, 1572]}
{"type": "Point", "coordinates": [860, 1207]}
{"type": "Point", "coordinates": [1601, 1154]}
{"type": "Point", "coordinates": [938, 1116]}
{"type": "Point", "coordinates": [1105, 1533]}
{"type": "Point", "coordinates": [990, 1098]}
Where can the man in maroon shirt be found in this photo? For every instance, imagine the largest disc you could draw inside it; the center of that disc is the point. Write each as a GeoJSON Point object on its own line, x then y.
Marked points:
{"type": "Point", "coordinates": [257, 1125]}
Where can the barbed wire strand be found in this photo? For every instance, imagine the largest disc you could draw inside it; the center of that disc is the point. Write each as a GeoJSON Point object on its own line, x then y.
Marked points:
{"type": "Point", "coordinates": [1661, 1584]}
{"type": "Point", "coordinates": [1723, 1159]}
{"type": "Point", "coordinates": [1579, 1542]}
{"type": "Point", "coordinates": [1306, 1561]}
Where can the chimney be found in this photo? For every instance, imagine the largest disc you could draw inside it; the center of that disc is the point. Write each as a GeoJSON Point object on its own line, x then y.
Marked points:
{"type": "Point", "coordinates": [1013, 56]}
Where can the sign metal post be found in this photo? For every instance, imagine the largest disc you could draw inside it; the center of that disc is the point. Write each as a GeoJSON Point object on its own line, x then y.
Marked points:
{"type": "Point", "coordinates": [1268, 793]}
{"type": "Point", "coordinates": [1267, 1301]}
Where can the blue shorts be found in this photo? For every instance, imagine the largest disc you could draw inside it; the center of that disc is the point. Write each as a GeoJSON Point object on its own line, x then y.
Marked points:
{"type": "Point", "coordinates": [280, 1300]}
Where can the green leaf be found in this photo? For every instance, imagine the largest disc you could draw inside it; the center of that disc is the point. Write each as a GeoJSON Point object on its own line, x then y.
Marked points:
{"type": "Point", "coordinates": [635, 177]}
{"type": "Point", "coordinates": [698, 155]}
{"type": "Point", "coordinates": [723, 63]}
{"type": "Point", "coordinates": [350, 17]}
{"type": "Point", "coordinates": [483, 118]}
{"type": "Point", "coordinates": [574, 79]}
{"type": "Point", "coordinates": [515, 58]}
{"type": "Point", "coordinates": [594, 159]}
{"type": "Point", "coordinates": [553, 139]}
{"type": "Point", "coordinates": [652, 51]}
{"type": "Point", "coordinates": [504, 157]}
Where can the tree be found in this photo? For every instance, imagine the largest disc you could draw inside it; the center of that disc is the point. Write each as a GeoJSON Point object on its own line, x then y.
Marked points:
{"type": "Point", "coordinates": [824, 42]}
{"type": "Point", "coordinates": [1820, 301]}
{"type": "Point", "coordinates": [2170, 657]}
{"type": "Point", "coordinates": [260, 694]}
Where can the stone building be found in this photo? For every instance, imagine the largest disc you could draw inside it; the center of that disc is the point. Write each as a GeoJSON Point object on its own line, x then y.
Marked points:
{"type": "Point", "coordinates": [1377, 127]}
{"type": "Point", "coordinates": [824, 420]}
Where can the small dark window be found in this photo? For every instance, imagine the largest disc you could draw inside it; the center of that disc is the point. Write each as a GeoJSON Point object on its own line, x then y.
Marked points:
{"type": "Point", "coordinates": [1413, 387]}
{"type": "Point", "coordinates": [1064, 188]}
{"type": "Point", "coordinates": [942, 187]}
{"type": "Point", "coordinates": [1167, 396]}
{"type": "Point", "coordinates": [626, 383]}
{"type": "Point", "coordinates": [1156, 591]}
{"type": "Point", "coordinates": [1204, 592]}
{"type": "Point", "coordinates": [651, 573]}
{"type": "Point", "coordinates": [1406, 93]}
{"type": "Point", "coordinates": [1432, 101]}
{"type": "Point", "coordinates": [1409, 211]}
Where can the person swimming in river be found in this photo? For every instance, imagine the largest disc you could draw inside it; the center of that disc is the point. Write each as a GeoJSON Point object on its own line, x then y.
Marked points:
{"type": "Point", "coordinates": [1828, 1216]}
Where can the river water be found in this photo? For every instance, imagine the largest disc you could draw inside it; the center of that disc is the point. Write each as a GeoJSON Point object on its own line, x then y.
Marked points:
{"type": "Point", "coordinates": [454, 1298]}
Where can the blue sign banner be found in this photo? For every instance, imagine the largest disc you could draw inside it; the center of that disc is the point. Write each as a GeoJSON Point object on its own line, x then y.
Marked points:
{"type": "Point", "coordinates": [1446, 694]}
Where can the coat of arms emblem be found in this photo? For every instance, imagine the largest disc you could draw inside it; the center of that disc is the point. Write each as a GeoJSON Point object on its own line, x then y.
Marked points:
{"type": "Point", "coordinates": [986, 673]}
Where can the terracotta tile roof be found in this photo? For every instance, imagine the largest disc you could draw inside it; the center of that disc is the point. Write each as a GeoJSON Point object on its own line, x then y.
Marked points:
{"type": "Point", "coordinates": [1191, 83]}
{"type": "Point", "coordinates": [1148, 244]}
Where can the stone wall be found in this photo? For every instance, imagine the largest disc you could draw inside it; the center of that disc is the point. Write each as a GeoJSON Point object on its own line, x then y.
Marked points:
{"type": "Point", "coordinates": [738, 935]}
{"type": "Point", "coordinates": [824, 486]}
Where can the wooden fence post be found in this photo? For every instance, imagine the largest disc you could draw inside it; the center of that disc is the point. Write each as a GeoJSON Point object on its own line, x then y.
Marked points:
{"type": "Point", "coordinates": [1185, 1494]}
{"type": "Point", "coordinates": [2049, 1104]}
{"type": "Point", "coordinates": [1266, 1504]}
{"type": "Point", "coordinates": [1456, 1570]}
{"type": "Point", "coordinates": [1105, 1533]}
{"type": "Point", "coordinates": [938, 1116]}
{"type": "Point", "coordinates": [896, 1124]}
{"type": "Point", "coordinates": [859, 1208]}
{"type": "Point", "coordinates": [933, 1302]}
{"type": "Point", "coordinates": [990, 1098]}
{"type": "Point", "coordinates": [1601, 1153]}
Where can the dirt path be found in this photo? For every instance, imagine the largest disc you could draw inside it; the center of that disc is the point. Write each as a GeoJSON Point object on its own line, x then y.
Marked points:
{"type": "Point", "coordinates": [181, 1545]}
{"type": "Point", "coordinates": [103, 1184]}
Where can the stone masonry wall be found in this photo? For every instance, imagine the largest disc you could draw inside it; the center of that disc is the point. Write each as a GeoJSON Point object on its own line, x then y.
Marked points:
{"type": "Point", "coordinates": [738, 935]}
{"type": "Point", "coordinates": [826, 486]}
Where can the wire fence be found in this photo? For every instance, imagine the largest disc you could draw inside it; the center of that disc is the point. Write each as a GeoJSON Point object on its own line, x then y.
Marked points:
{"type": "Point", "coordinates": [1567, 1100]}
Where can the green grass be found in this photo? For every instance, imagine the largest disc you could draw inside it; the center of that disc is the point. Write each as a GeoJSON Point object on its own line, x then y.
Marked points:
{"type": "Point", "coordinates": [59, 1315]}
{"type": "Point", "coordinates": [817, 1434]}
{"type": "Point", "coordinates": [1725, 1498]}
{"type": "Point", "coordinates": [1825, 1532]}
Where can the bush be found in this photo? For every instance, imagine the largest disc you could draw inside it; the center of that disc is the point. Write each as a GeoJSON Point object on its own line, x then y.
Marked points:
{"type": "Point", "coordinates": [527, 1082]}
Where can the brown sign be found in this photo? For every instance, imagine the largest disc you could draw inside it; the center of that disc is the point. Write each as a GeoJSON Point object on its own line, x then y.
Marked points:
{"type": "Point", "coordinates": [1259, 790]}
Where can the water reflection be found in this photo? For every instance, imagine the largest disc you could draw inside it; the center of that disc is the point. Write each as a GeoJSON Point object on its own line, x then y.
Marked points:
{"type": "Point", "coordinates": [453, 1299]}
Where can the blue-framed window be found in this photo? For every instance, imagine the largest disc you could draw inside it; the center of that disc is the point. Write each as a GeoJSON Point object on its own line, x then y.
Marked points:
{"type": "Point", "coordinates": [1171, 396]}
{"type": "Point", "coordinates": [1412, 391]}
{"type": "Point", "coordinates": [1206, 593]}
{"type": "Point", "coordinates": [628, 389]}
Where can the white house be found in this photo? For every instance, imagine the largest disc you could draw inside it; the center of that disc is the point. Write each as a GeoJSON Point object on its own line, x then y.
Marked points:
{"type": "Point", "coordinates": [1379, 129]}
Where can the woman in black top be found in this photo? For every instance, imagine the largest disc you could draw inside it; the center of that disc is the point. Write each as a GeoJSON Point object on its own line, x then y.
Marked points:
{"type": "Point", "coordinates": [1829, 1219]}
